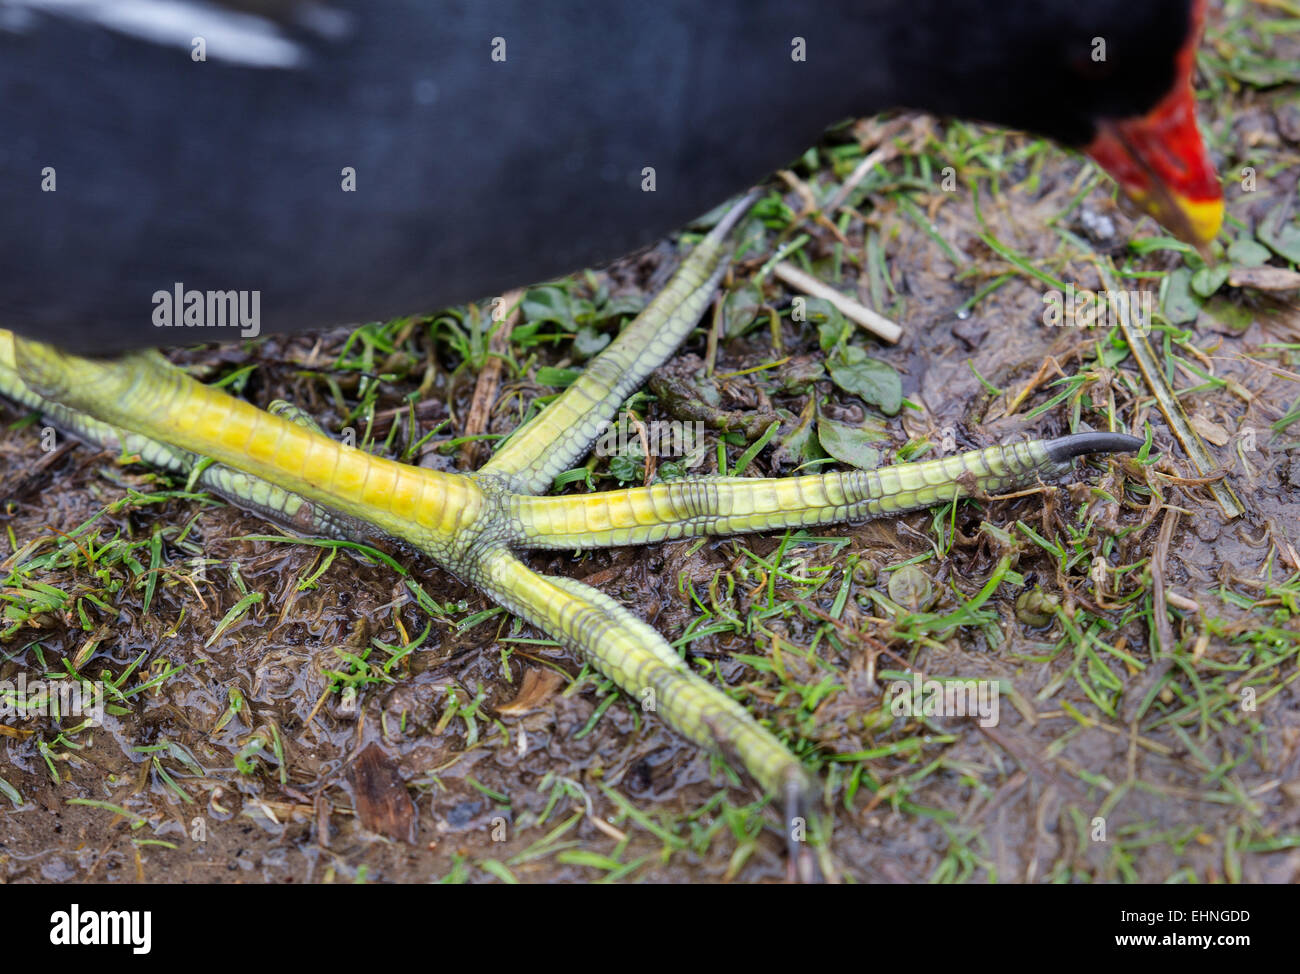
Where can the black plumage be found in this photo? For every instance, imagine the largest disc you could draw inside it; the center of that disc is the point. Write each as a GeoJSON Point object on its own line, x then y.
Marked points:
{"type": "Point", "coordinates": [472, 173]}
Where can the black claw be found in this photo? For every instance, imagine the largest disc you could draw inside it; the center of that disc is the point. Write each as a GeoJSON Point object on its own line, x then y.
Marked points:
{"type": "Point", "coordinates": [802, 865]}
{"type": "Point", "coordinates": [1066, 448]}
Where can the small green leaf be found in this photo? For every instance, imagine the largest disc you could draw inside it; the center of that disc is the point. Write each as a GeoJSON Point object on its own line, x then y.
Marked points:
{"type": "Point", "coordinates": [740, 310]}
{"type": "Point", "coordinates": [584, 311]}
{"type": "Point", "coordinates": [875, 381]}
{"type": "Point", "coordinates": [627, 469]}
{"type": "Point", "coordinates": [832, 328]}
{"type": "Point", "coordinates": [911, 588]}
{"type": "Point", "coordinates": [849, 444]}
{"type": "Point", "coordinates": [1245, 252]}
{"type": "Point", "coordinates": [624, 304]}
{"type": "Point", "coordinates": [800, 373]}
{"type": "Point", "coordinates": [800, 445]}
{"type": "Point", "coordinates": [562, 378]}
{"type": "Point", "coordinates": [549, 304]}
{"type": "Point", "coordinates": [1283, 238]}
{"type": "Point", "coordinates": [1209, 279]}
{"type": "Point", "coordinates": [587, 342]}
{"type": "Point", "coordinates": [1180, 305]}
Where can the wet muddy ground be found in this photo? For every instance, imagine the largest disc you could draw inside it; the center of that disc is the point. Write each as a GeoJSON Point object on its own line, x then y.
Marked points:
{"type": "Point", "coordinates": [299, 713]}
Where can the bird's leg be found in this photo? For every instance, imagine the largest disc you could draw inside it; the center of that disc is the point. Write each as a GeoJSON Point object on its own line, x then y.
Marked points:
{"type": "Point", "coordinates": [561, 433]}
{"type": "Point", "coordinates": [148, 394]}
{"type": "Point", "coordinates": [618, 644]}
{"type": "Point", "coordinates": [468, 523]}
{"type": "Point", "coordinates": [738, 505]}
{"type": "Point", "coordinates": [637, 658]}
{"type": "Point", "coordinates": [144, 404]}
{"type": "Point", "coordinates": [291, 511]}
{"type": "Point", "coordinates": [144, 395]}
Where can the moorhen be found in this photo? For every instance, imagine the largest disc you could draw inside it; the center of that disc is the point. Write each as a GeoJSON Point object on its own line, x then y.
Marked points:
{"type": "Point", "coordinates": [346, 161]}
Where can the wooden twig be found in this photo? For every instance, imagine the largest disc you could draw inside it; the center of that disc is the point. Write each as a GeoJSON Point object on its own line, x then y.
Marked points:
{"type": "Point", "coordinates": [489, 380]}
{"type": "Point", "coordinates": [873, 322]}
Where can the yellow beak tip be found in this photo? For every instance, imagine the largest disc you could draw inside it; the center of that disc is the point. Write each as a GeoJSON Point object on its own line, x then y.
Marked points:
{"type": "Point", "coordinates": [1204, 219]}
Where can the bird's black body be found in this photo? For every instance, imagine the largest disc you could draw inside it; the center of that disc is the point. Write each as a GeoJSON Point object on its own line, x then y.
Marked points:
{"type": "Point", "coordinates": [473, 174]}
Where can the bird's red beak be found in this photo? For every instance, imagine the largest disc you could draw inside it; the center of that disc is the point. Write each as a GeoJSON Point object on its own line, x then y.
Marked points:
{"type": "Point", "coordinates": [1160, 161]}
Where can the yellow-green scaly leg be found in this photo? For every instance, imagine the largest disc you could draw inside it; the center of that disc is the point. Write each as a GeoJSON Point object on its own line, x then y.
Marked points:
{"type": "Point", "coordinates": [144, 394]}
{"type": "Point", "coordinates": [561, 434]}
{"type": "Point", "coordinates": [737, 505]}
{"type": "Point", "coordinates": [461, 524]}
{"type": "Point", "coordinates": [467, 524]}
{"type": "Point", "coordinates": [143, 404]}
{"type": "Point", "coordinates": [632, 654]}
{"type": "Point", "coordinates": [252, 493]}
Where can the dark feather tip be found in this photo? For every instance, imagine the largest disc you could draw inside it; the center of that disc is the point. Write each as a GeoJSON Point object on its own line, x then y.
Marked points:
{"type": "Point", "coordinates": [1066, 448]}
